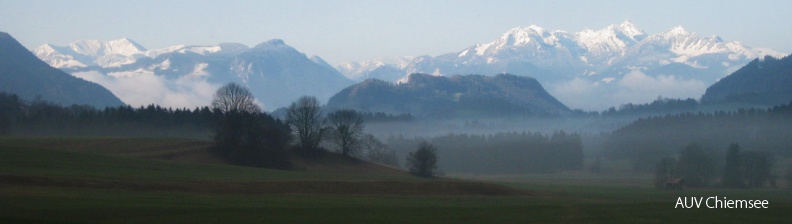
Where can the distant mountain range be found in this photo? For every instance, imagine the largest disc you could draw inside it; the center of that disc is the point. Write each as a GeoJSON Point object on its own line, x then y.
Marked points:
{"type": "Point", "coordinates": [25, 75]}
{"type": "Point", "coordinates": [766, 81]}
{"type": "Point", "coordinates": [590, 69]}
{"type": "Point", "coordinates": [276, 73]}
{"type": "Point", "coordinates": [596, 59]}
{"type": "Point", "coordinates": [454, 96]}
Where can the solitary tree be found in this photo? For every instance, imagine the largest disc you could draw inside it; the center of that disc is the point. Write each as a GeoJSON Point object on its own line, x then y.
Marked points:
{"type": "Point", "coordinates": [423, 162]}
{"type": "Point", "coordinates": [305, 118]}
{"type": "Point", "coordinates": [346, 126]}
{"type": "Point", "coordinates": [234, 97]}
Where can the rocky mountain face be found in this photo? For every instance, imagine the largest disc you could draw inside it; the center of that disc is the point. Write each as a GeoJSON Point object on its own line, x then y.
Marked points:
{"type": "Point", "coordinates": [24, 74]}
{"type": "Point", "coordinates": [452, 96]}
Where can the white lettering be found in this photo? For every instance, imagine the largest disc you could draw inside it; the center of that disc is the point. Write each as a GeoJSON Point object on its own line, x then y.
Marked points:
{"type": "Point", "coordinates": [679, 202]}
{"type": "Point", "coordinates": [715, 202]}
{"type": "Point", "coordinates": [708, 204]}
{"type": "Point", "coordinates": [697, 202]}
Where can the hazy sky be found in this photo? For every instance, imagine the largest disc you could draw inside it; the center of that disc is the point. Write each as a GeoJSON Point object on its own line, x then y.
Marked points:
{"type": "Point", "coordinates": [359, 30]}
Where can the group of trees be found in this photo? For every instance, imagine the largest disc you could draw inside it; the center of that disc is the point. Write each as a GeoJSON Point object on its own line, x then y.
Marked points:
{"type": "Point", "coordinates": [343, 129]}
{"type": "Point", "coordinates": [247, 136]}
{"type": "Point", "coordinates": [503, 152]}
{"type": "Point", "coordinates": [700, 167]}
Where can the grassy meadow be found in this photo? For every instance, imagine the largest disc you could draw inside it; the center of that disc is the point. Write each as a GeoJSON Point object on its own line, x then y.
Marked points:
{"type": "Point", "coordinates": [101, 180]}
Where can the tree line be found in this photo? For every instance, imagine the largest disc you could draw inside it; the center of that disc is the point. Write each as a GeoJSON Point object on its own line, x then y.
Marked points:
{"type": "Point", "coordinates": [37, 117]}
{"type": "Point", "coordinates": [647, 140]}
{"type": "Point", "coordinates": [524, 152]}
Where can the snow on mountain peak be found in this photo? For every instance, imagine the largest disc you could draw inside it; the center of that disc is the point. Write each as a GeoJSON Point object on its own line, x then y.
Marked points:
{"type": "Point", "coordinates": [97, 48]}
{"type": "Point", "coordinates": [45, 49]}
{"type": "Point", "coordinates": [535, 28]}
{"type": "Point", "coordinates": [676, 31]}
{"type": "Point", "coordinates": [631, 30]}
{"type": "Point", "coordinates": [521, 36]}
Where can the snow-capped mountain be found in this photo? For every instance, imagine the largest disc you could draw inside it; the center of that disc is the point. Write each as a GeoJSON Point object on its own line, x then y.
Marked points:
{"type": "Point", "coordinates": [276, 73]}
{"type": "Point", "coordinates": [560, 55]}
{"type": "Point", "coordinates": [28, 77]}
{"type": "Point", "coordinates": [86, 53]}
{"type": "Point", "coordinates": [600, 58]}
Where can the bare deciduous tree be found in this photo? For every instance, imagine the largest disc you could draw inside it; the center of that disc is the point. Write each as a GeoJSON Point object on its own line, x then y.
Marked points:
{"type": "Point", "coordinates": [234, 97]}
{"type": "Point", "coordinates": [346, 126]}
{"type": "Point", "coordinates": [304, 117]}
{"type": "Point", "coordinates": [375, 151]}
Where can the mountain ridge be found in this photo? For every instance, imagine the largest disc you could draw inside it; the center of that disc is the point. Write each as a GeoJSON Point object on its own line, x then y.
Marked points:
{"type": "Point", "coordinates": [585, 53]}
{"type": "Point", "coordinates": [766, 81]}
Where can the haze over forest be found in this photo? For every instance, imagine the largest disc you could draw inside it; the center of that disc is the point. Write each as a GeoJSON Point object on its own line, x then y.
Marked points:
{"type": "Point", "coordinates": [486, 111]}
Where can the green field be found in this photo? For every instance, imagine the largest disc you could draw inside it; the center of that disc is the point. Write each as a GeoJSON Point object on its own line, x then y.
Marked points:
{"type": "Point", "coordinates": [173, 181]}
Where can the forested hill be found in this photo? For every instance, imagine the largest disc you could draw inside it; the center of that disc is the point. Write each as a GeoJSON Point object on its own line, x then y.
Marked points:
{"type": "Point", "coordinates": [24, 74]}
{"type": "Point", "coordinates": [765, 81]}
{"type": "Point", "coordinates": [454, 96]}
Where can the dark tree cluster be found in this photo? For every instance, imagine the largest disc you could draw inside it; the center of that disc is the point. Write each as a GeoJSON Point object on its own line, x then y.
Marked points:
{"type": "Point", "coordinates": [502, 152]}
{"type": "Point", "coordinates": [19, 117]}
{"type": "Point", "coordinates": [245, 135]}
{"type": "Point", "coordinates": [700, 167]}
{"type": "Point", "coordinates": [647, 140]}
{"type": "Point", "coordinates": [252, 139]}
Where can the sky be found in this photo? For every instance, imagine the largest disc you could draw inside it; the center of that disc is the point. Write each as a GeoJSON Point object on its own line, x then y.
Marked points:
{"type": "Point", "coordinates": [343, 31]}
